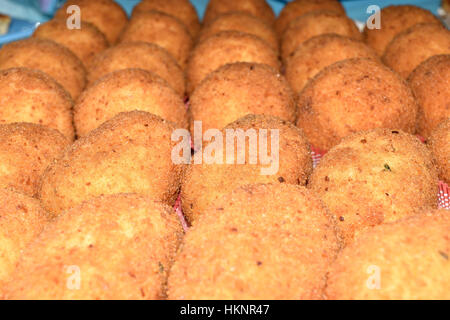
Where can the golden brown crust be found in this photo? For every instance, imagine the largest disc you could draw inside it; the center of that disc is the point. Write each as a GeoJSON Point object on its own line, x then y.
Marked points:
{"type": "Point", "coordinates": [258, 242]}
{"type": "Point", "coordinates": [415, 45]}
{"type": "Point", "coordinates": [106, 15]}
{"type": "Point", "coordinates": [204, 183]}
{"type": "Point", "coordinates": [28, 95]}
{"type": "Point", "coordinates": [128, 90]}
{"type": "Point", "coordinates": [51, 58]}
{"type": "Point", "coordinates": [139, 55]}
{"type": "Point", "coordinates": [354, 95]}
{"type": "Point", "coordinates": [162, 29]}
{"type": "Point", "coordinates": [129, 153]}
{"type": "Point", "coordinates": [121, 246]}
{"type": "Point", "coordinates": [227, 47]}
{"type": "Point", "coordinates": [439, 145]}
{"type": "Point", "coordinates": [408, 259]}
{"type": "Point", "coordinates": [430, 84]}
{"type": "Point", "coordinates": [374, 177]}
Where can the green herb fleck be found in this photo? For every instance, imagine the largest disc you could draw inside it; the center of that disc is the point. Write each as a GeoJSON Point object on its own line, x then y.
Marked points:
{"type": "Point", "coordinates": [161, 267]}
{"type": "Point", "coordinates": [386, 167]}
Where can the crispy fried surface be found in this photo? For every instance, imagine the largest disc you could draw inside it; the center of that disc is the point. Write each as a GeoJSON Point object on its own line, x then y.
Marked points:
{"type": "Point", "coordinates": [138, 55]}
{"type": "Point", "coordinates": [106, 15]}
{"type": "Point", "coordinates": [242, 22]}
{"type": "Point", "coordinates": [313, 24]}
{"type": "Point", "coordinates": [85, 42]}
{"type": "Point", "coordinates": [375, 177]}
{"type": "Point", "coordinates": [54, 59]}
{"type": "Point", "coordinates": [408, 257]}
{"type": "Point", "coordinates": [32, 96]}
{"type": "Point", "coordinates": [430, 82]}
{"type": "Point", "coordinates": [227, 47]}
{"type": "Point", "coordinates": [257, 8]}
{"type": "Point", "coordinates": [162, 29]}
{"type": "Point", "coordinates": [415, 45]}
{"type": "Point", "coordinates": [320, 52]}
{"type": "Point", "coordinates": [129, 153]}
{"type": "Point", "coordinates": [204, 183]}
{"type": "Point", "coordinates": [439, 144]}
{"type": "Point", "coordinates": [181, 9]}
{"type": "Point", "coordinates": [128, 90]}
{"type": "Point", "coordinates": [238, 89]}
{"type": "Point", "coordinates": [354, 95]}
{"type": "Point", "coordinates": [297, 8]}
{"type": "Point", "coordinates": [121, 247]}
{"type": "Point", "coordinates": [21, 219]}
{"type": "Point", "coordinates": [394, 20]}
{"type": "Point", "coordinates": [25, 152]}
{"type": "Point", "coordinates": [259, 242]}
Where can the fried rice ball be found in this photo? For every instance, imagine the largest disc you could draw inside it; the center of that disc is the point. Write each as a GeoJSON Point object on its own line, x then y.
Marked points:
{"type": "Point", "coordinates": [243, 22]}
{"type": "Point", "coordinates": [395, 20]}
{"type": "Point", "coordinates": [407, 259]}
{"type": "Point", "coordinates": [181, 9]}
{"type": "Point", "coordinates": [297, 8]}
{"type": "Point", "coordinates": [129, 153]}
{"type": "Point", "coordinates": [26, 150]}
{"type": "Point", "coordinates": [127, 90]}
{"type": "Point", "coordinates": [257, 8]}
{"type": "Point", "coordinates": [439, 144]}
{"type": "Point", "coordinates": [204, 183]}
{"type": "Point", "coordinates": [238, 89]}
{"type": "Point", "coordinates": [313, 24]}
{"type": "Point", "coordinates": [21, 219]}
{"type": "Point", "coordinates": [375, 177]}
{"type": "Point", "coordinates": [258, 242]}
{"type": "Point", "coordinates": [106, 15]}
{"type": "Point", "coordinates": [28, 95]}
{"type": "Point", "coordinates": [85, 42]}
{"type": "Point", "coordinates": [354, 95]}
{"type": "Point", "coordinates": [227, 47]}
{"type": "Point", "coordinates": [112, 247]}
{"type": "Point", "coordinates": [319, 52]}
{"type": "Point", "coordinates": [46, 55]}
{"type": "Point", "coordinates": [139, 55]}
{"type": "Point", "coordinates": [415, 45]}
{"type": "Point", "coordinates": [162, 29]}
{"type": "Point", "coordinates": [430, 82]}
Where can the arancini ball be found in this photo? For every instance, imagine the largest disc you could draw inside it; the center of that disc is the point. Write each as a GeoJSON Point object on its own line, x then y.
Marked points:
{"type": "Point", "coordinates": [127, 90]}
{"type": "Point", "coordinates": [374, 177]}
{"type": "Point", "coordinates": [430, 82]}
{"type": "Point", "coordinates": [257, 8]}
{"type": "Point", "coordinates": [49, 57]}
{"type": "Point", "coordinates": [85, 42]}
{"type": "Point", "coordinates": [404, 260]}
{"type": "Point", "coordinates": [264, 242]}
{"type": "Point", "coordinates": [204, 183]}
{"type": "Point", "coordinates": [238, 89]}
{"type": "Point", "coordinates": [242, 22]}
{"type": "Point", "coordinates": [131, 153]}
{"type": "Point", "coordinates": [297, 8]}
{"type": "Point", "coordinates": [439, 144]}
{"type": "Point", "coordinates": [162, 29]}
{"type": "Point", "coordinates": [394, 20]}
{"type": "Point", "coordinates": [28, 95]}
{"type": "Point", "coordinates": [181, 9]}
{"type": "Point", "coordinates": [22, 218]}
{"type": "Point", "coordinates": [314, 24]}
{"type": "Point", "coordinates": [415, 45]}
{"type": "Point", "coordinates": [319, 52]}
{"type": "Point", "coordinates": [354, 95]}
{"type": "Point", "coordinates": [107, 15]}
{"type": "Point", "coordinates": [112, 247]}
{"type": "Point", "coordinates": [227, 47]}
{"type": "Point", "coordinates": [26, 150]}
{"type": "Point", "coordinates": [139, 55]}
